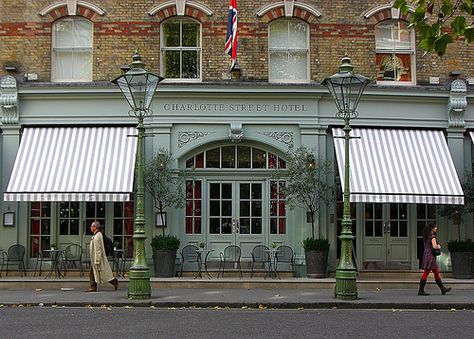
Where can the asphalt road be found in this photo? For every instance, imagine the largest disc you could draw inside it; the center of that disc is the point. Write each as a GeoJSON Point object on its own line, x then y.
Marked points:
{"type": "Point", "coordinates": [126, 322]}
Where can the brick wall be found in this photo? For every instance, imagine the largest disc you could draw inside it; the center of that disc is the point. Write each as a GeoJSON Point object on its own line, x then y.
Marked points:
{"type": "Point", "coordinates": [25, 38]}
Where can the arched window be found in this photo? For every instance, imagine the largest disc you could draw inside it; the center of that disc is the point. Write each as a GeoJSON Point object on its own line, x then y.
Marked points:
{"type": "Point", "coordinates": [72, 50]}
{"type": "Point", "coordinates": [181, 49]}
{"type": "Point", "coordinates": [235, 157]}
{"type": "Point", "coordinates": [288, 51]}
{"type": "Point", "coordinates": [394, 43]}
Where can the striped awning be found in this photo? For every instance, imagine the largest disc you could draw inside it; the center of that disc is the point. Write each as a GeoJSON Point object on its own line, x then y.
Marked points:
{"type": "Point", "coordinates": [399, 166]}
{"type": "Point", "coordinates": [74, 164]}
{"type": "Point", "coordinates": [471, 133]}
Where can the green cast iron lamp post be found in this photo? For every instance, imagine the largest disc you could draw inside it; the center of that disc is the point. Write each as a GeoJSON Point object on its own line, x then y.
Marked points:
{"type": "Point", "coordinates": [138, 86]}
{"type": "Point", "coordinates": [346, 89]}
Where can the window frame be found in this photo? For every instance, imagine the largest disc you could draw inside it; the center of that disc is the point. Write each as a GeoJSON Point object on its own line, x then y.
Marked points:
{"type": "Point", "coordinates": [288, 50]}
{"type": "Point", "coordinates": [411, 52]}
{"type": "Point", "coordinates": [54, 48]}
{"type": "Point", "coordinates": [180, 49]}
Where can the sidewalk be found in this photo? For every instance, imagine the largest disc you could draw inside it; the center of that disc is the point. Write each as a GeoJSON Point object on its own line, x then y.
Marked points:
{"type": "Point", "coordinates": [272, 297]}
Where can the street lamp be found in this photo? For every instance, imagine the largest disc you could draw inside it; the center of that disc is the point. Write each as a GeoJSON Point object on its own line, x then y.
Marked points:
{"type": "Point", "coordinates": [138, 86]}
{"type": "Point", "coordinates": [346, 89]}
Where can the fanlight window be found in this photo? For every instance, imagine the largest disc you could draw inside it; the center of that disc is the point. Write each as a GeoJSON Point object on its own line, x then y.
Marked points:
{"type": "Point", "coordinates": [236, 157]}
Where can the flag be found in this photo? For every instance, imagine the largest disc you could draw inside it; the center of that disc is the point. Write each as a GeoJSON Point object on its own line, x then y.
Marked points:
{"type": "Point", "coordinates": [231, 38]}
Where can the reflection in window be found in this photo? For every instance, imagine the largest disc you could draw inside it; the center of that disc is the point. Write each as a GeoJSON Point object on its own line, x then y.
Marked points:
{"type": "Point", "coordinates": [236, 157]}
{"type": "Point", "coordinates": [394, 51]}
{"type": "Point", "coordinates": [72, 50]}
{"type": "Point", "coordinates": [193, 206]}
{"type": "Point", "coordinates": [123, 227]}
{"type": "Point", "coordinates": [95, 211]}
{"type": "Point", "coordinates": [40, 227]}
{"type": "Point", "coordinates": [289, 51]}
{"type": "Point", "coordinates": [220, 208]}
{"type": "Point", "coordinates": [69, 218]}
{"type": "Point", "coordinates": [277, 208]}
{"type": "Point", "coordinates": [181, 49]}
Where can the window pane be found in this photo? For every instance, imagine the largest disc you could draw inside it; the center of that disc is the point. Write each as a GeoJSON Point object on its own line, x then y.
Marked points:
{"type": "Point", "coordinates": [228, 157]}
{"type": "Point", "coordinates": [190, 65]}
{"type": "Point", "coordinates": [298, 63]}
{"type": "Point", "coordinates": [259, 158]}
{"type": "Point", "coordinates": [278, 65]}
{"type": "Point", "coordinates": [63, 33]}
{"type": "Point", "coordinates": [171, 64]}
{"type": "Point", "coordinates": [298, 34]}
{"type": "Point", "coordinates": [82, 34]}
{"type": "Point", "coordinates": [171, 34]}
{"type": "Point", "coordinates": [190, 34]}
{"type": "Point", "coordinates": [279, 34]}
{"type": "Point", "coordinates": [213, 158]}
{"type": "Point", "coordinates": [243, 157]}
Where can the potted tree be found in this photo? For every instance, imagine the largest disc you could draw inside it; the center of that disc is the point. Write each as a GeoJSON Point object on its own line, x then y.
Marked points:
{"type": "Point", "coordinates": [461, 250]}
{"type": "Point", "coordinates": [166, 187]}
{"type": "Point", "coordinates": [307, 187]}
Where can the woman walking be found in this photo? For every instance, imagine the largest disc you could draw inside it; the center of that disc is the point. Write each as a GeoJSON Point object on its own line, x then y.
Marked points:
{"type": "Point", "coordinates": [429, 260]}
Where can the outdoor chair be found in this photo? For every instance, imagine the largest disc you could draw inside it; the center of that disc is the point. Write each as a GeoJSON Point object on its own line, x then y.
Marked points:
{"type": "Point", "coordinates": [285, 255]}
{"type": "Point", "coordinates": [261, 255]}
{"type": "Point", "coordinates": [14, 255]}
{"type": "Point", "coordinates": [73, 257]}
{"type": "Point", "coordinates": [189, 254]}
{"type": "Point", "coordinates": [230, 255]}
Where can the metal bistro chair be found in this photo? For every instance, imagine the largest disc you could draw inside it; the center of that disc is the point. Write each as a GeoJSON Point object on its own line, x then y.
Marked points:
{"type": "Point", "coordinates": [189, 254]}
{"type": "Point", "coordinates": [73, 256]}
{"type": "Point", "coordinates": [285, 255]}
{"type": "Point", "coordinates": [261, 255]}
{"type": "Point", "coordinates": [15, 255]}
{"type": "Point", "coordinates": [56, 261]}
{"type": "Point", "coordinates": [230, 255]}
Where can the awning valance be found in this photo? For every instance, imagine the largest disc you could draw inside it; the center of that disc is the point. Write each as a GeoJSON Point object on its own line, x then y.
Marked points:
{"type": "Point", "coordinates": [399, 166]}
{"type": "Point", "coordinates": [74, 164]}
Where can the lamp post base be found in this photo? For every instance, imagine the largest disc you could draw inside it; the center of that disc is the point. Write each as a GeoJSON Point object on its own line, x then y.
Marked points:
{"type": "Point", "coordinates": [346, 286]}
{"type": "Point", "coordinates": [139, 283]}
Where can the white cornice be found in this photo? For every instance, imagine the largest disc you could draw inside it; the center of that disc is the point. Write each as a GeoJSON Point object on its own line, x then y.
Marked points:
{"type": "Point", "coordinates": [60, 4]}
{"type": "Point", "coordinates": [206, 10]}
{"type": "Point", "coordinates": [265, 9]}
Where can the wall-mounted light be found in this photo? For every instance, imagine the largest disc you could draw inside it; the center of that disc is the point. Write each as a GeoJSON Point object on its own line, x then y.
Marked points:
{"type": "Point", "coordinates": [11, 69]}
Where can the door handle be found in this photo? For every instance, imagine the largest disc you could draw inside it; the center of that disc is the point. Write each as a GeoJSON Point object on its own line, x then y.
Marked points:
{"type": "Point", "coordinates": [237, 226]}
{"type": "Point", "coordinates": [387, 227]}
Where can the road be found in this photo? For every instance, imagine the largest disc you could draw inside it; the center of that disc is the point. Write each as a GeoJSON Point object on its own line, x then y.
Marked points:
{"type": "Point", "coordinates": [109, 322]}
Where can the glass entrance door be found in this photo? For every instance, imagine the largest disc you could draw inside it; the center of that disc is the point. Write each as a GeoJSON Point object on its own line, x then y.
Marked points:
{"type": "Point", "coordinates": [386, 241]}
{"type": "Point", "coordinates": [236, 214]}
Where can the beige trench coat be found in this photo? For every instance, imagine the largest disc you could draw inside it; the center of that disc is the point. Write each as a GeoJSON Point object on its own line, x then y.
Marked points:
{"type": "Point", "coordinates": [100, 264]}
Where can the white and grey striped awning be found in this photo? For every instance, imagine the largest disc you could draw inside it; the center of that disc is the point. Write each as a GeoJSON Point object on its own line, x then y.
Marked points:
{"type": "Point", "coordinates": [74, 164]}
{"type": "Point", "coordinates": [399, 166]}
{"type": "Point", "coordinates": [471, 133]}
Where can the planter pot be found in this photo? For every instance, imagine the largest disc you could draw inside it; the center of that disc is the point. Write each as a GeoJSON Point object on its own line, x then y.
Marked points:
{"type": "Point", "coordinates": [461, 264]}
{"type": "Point", "coordinates": [164, 263]}
{"type": "Point", "coordinates": [316, 263]}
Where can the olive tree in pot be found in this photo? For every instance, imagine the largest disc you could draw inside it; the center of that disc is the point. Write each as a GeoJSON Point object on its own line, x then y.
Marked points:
{"type": "Point", "coordinates": [461, 250]}
{"type": "Point", "coordinates": [307, 187]}
{"type": "Point", "coordinates": [166, 187]}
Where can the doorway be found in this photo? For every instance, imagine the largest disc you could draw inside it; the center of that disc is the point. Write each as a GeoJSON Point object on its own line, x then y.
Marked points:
{"type": "Point", "coordinates": [236, 214]}
{"type": "Point", "coordinates": [385, 237]}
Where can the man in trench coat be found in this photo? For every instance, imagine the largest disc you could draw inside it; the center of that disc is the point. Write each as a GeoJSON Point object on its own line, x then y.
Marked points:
{"type": "Point", "coordinates": [100, 271]}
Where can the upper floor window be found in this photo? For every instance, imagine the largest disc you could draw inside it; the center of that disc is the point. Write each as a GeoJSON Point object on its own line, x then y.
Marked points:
{"type": "Point", "coordinates": [288, 51]}
{"type": "Point", "coordinates": [181, 49]}
{"type": "Point", "coordinates": [394, 43]}
{"type": "Point", "coordinates": [72, 50]}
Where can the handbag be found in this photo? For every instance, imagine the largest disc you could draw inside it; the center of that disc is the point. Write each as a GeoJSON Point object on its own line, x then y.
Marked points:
{"type": "Point", "coordinates": [435, 251]}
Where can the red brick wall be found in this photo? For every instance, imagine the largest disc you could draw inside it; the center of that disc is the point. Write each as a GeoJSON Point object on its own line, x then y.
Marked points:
{"type": "Point", "coordinates": [25, 38]}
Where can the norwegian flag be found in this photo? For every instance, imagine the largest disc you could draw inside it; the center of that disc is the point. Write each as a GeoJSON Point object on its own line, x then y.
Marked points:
{"type": "Point", "coordinates": [231, 38]}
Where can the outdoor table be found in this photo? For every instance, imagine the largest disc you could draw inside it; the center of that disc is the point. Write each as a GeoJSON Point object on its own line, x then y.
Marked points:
{"type": "Point", "coordinates": [272, 266]}
{"type": "Point", "coordinates": [55, 255]}
{"type": "Point", "coordinates": [202, 253]}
